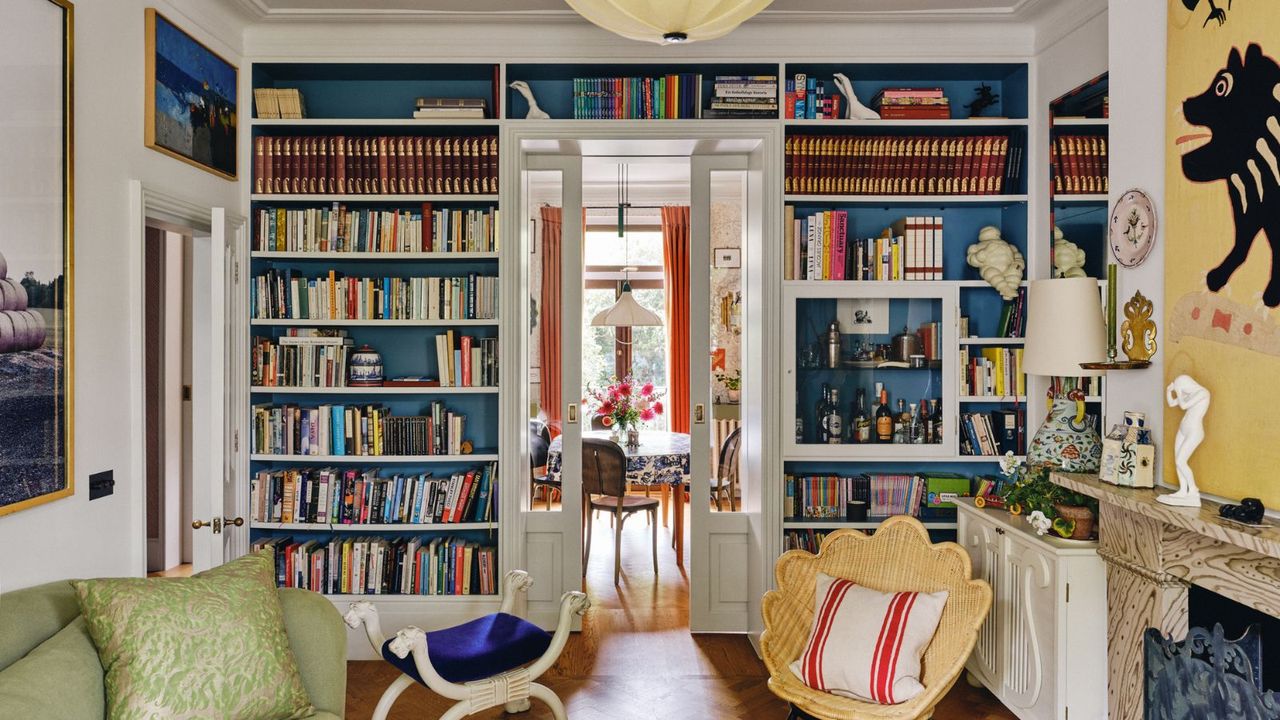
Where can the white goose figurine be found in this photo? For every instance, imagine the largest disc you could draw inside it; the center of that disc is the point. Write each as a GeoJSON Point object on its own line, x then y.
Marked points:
{"type": "Point", "coordinates": [853, 107]}
{"type": "Point", "coordinates": [535, 112]}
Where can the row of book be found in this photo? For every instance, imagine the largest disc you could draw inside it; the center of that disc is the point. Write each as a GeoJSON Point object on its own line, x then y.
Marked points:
{"type": "Point", "coordinates": [356, 430]}
{"type": "Point", "coordinates": [385, 566]}
{"type": "Point", "coordinates": [808, 539]}
{"type": "Point", "coordinates": [825, 497]}
{"type": "Point", "coordinates": [669, 97]}
{"type": "Point", "coordinates": [299, 361]}
{"type": "Point", "coordinates": [806, 98]}
{"type": "Point", "coordinates": [901, 165]}
{"type": "Point", "coordinates": [466, 361]}
{"type": "Point", "coordinates": [992, 433]}
{"type": "Point", "coordinates": [744, 97]}
{"type": "Point", "coordinates": [334, 496]}
{"type": "Point", "coordinates": [992, 371]}
{"type": "Point", "coordinates": [818, 248]}
{"type": "Point", "coordinates": [282, 295]}
{"type": "Point", "coordinates": [278, 103]}
{"type": "Point", "coordinates": [906, 103]}
{"type": "Point", "coordinates": [339, 229]}
{"type": "Point", "coordinates": [383, 164]}
{"type": "Point", "coordinates": [1079, 164]}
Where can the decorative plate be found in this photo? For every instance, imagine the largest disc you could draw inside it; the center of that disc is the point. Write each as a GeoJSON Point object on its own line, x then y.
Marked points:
{"type": "Point", "coordinates": [1132, 232]}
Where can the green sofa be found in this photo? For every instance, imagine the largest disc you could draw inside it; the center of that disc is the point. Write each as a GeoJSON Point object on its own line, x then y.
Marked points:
{"type": "Point", "coordinates": [49, 668]}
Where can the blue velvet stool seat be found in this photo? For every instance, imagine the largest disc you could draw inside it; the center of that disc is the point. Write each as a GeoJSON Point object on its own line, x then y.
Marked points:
{"type": "Point", "coordinates": [478, 649]}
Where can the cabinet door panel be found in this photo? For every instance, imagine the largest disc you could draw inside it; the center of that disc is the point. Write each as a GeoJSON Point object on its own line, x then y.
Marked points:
{"type": "Point", "coordinates": [1029, 621]}
{"type": "Point", "coordinates": [983, 545]}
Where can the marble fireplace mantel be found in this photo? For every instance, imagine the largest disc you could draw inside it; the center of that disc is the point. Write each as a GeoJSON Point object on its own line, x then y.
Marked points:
{"type": "Point", "coordinates": [1154, 552]}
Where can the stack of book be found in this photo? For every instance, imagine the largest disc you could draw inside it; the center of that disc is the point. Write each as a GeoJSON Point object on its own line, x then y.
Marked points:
{"type": "Point", "coordinates": [901, 165]}
{"type": "Point", "coordinates": [385, 566]}
{"type": "Point", "coordinates": [335, 496]}
{"type": "Point", "coordinates": [903, 103]}
{"type": "Point", "coordinates": [1079, 164]}
{"type": "Point", "coordinates": [388, 165]}
{"type": "Point", "coordinates": [339, 229]}
{"type": "Point", "coordinates": [279, 294]}
{"type": "Point", "coordinates": [466, 361]}
{"type": "Point", "coordinates": [819, 249]}
{"type": "Point", "coordinates": [670, 97]}
{"type": "Point", "coordinates": [277, 103]}
{"type": "Point", "coordinates": [809, 540]}
{"type": "Point", "coordinates": [434, 108]}
{"type": "Point", "coordinates": [806, 98]}
{"type": "Point", "coordinates": [311, 360]}
{"type": "Point", "coordinates": [994, 372]}
{"type": "Point", "coordinates": [991, 433]}
{"type": "Point", "coordinates": [745, 96]}
{"type": "Point", "coordinates": [355, 430]}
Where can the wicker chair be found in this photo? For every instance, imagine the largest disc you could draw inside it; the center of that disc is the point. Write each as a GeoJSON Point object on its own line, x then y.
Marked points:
{"type": "Point", "coordinates": [899, 556]}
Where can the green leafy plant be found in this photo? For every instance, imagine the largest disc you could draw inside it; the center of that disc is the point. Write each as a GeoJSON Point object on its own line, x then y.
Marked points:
{"type": "Point", "coordinates": [1032, 492]}
{"type": "Point", "coordinates": [731, 382]}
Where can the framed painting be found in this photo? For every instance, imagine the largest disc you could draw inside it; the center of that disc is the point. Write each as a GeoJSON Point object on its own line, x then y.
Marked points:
{"type": "Point", "coordinates": [191, 99]}
{"type": "Point", "coordinates": [36, 212]}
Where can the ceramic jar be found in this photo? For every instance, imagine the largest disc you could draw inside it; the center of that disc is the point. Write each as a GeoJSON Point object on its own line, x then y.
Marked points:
{"type": "Point", "coordinates": [364, 368]}
{"type": "Point", "coordinates": [1065, 443]}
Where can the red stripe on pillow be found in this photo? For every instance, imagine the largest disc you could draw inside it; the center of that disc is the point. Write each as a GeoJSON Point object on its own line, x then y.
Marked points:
{"type": "Point", "coordinates": [888, 644]}
{"type": "Point", "coordinates": [897, 646]}
{"type": "Point", "coordinates": [812, 660]}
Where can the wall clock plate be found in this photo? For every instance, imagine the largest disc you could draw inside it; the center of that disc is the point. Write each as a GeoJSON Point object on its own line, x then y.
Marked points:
{"type": "Point", "coordinates": [1132, 231]}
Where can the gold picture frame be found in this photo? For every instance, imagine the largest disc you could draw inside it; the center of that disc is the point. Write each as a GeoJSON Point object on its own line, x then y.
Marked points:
{"type": "Point", "coordinates": [47, 358]}
{"type": "Point", "coordinates": [194, 76]}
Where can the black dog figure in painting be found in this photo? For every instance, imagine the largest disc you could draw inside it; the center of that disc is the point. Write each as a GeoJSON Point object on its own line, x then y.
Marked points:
{"type": "Point", "coordinates": [1215, 12]}
{"type": "Point", "coordinates": [1241, 110]}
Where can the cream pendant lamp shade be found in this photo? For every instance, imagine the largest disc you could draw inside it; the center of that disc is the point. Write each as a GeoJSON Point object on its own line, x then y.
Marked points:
{"type": "Point", "coordinates": [626, 312]}
{"type": "Point", "coordinates": [668, 21]}
{"type": "Point", "coordinates": [1065, 327]}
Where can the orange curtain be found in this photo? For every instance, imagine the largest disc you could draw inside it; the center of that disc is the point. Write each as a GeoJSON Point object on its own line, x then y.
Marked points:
{"type": "Point", "coordinates": [550, 320]}
{"type": "Point", "coordinates": [675, 275]}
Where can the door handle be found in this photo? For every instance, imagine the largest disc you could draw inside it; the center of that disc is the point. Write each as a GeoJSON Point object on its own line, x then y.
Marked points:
{"type": "Point", "coordinates": [216, 524]}
{"type": "Point", "coordinates": [699, 414]}
{"type": "Point", "coordinates": [236, 521]}
{"type": "Point", "coordinates": [571, 414]}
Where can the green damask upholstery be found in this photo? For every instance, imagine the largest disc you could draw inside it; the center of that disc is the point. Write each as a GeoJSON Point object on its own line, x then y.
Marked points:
{"type": "Point", "coordinates": [56, 673]}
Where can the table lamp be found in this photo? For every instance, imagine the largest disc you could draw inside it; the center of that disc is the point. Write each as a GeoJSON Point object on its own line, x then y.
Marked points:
{"type": "Point", "coordinates": [1065, 327]}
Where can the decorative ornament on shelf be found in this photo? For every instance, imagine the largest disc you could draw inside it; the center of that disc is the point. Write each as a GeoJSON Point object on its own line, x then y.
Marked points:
{"type": "Point", "coordinates": [854, 109]}
{"type": "Point", "coordinates": [1138, 329]}
{"type": "Point", "coordinates": [1191, 396]}
{"type": "Point", "coordinates": [985, 99]}
{"type": "Point", "coordinates": [1128, 454]}
{"type": "Point", "coordinates": [1249, 512]}
{"type": "Point", "coordinates": [668, 22]}
{"type": "Point", "coordinates": [1133, 363]}
{"type": "Point", "coordinates": [535, 112]}
{"type": "Point", "coordinates": [364, 368]}
{"type": "Point", "coordinates": [1068, 258]}
{"type": "Point", "coordinates": [998, 261]}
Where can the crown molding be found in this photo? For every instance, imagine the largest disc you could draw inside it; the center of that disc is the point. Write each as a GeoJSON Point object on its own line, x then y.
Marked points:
{"type": "Point", "coordinates": [1060, 20]}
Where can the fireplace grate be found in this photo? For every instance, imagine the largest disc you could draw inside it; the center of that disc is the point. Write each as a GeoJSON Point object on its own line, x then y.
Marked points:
{"type": "Point", "coordinates": [1206, 677]}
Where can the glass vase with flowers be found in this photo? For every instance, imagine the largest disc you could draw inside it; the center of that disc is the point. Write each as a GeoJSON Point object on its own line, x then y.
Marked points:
{"type": "Point", "coordinates": [623, 404]}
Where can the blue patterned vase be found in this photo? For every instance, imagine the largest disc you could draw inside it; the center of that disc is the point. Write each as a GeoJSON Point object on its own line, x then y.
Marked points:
{"type": "Point", "coordinates": [1064, 443]}
{"type": "Point", "coordinates": [364, 368]}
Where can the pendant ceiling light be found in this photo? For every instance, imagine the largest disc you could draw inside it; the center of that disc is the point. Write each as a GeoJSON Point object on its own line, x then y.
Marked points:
{"type": "Point", "coordinates": [626, 311]}
{"type": "Point", "coordinates": [668, 21]}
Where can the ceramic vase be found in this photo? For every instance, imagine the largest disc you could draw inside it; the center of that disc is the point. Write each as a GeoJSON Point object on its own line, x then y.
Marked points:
{"type": "Point", "coordinates": [1064, 443]}
{"type": "Point", "coordinates": [364, 368]}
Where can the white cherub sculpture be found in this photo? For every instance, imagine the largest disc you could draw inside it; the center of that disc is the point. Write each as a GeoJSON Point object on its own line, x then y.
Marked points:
{"type": "Point", "coordinates": [535, 112]}
{"type": "Point", "coordinates": [1191, 396]}
{"type": "Point", "coordinates": [854, 109]}
{"type": "Point", "coordinates": [1068, 258]}
{"type": "Point", "coordinates": [997, 261]}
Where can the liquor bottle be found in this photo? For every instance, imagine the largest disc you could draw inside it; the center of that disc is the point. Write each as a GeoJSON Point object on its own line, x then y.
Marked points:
{"type": "Point", "coordinates": [835, 424]}
{"type": "Point", "coordinates": [860, 426]}
{"type": "Point", "coordinates": [820, 415]}
{"type": "Point", "coordinates": [915, 435]}
{"type": "Point", "coordinates": [799, 430]}
{"type": "Point", "coordinates": [884, 419]}
{"type": "Point", "coordinates": [901, 423]}
{"type": "Point", "coordinates": [935, 414]}
{"type": "Point", "coordinates": [926, 423]}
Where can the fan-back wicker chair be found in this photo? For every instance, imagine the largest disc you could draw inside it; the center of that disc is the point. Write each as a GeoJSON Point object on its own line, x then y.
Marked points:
{"type": "Point", "coordinates": [897, 557]}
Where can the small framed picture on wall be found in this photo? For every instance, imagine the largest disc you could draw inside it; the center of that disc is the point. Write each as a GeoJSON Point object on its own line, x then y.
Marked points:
{"type": "Point", "coordinates": [726, 257]}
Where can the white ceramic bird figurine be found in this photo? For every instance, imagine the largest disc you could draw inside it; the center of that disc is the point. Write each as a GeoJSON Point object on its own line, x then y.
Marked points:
{"type": "Point", "coordinates": [853, 107]}
{"type": "Point", "coordinates": [535, 112]}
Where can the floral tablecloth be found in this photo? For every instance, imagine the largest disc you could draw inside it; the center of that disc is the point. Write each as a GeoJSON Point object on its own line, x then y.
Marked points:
{"type": "Point", "coordinates": [662, 458]}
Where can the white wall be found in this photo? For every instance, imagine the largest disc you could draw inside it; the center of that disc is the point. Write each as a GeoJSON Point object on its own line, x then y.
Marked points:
{"type": "Point", "coordinates": [71, 537]}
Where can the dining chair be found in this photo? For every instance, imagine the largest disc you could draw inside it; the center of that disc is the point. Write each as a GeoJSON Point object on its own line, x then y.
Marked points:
{"type": "Point", "coordinates": [539, 445]}
{"type": "Point", "coordinates": [725, 483]}
{"type": "Point", "coordinates": [604, 487]}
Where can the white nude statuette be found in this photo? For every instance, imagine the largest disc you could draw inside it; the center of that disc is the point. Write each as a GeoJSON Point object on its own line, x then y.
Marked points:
{"type": "Point", "coordinates": [535, 112]}
{"type": "Point", "coordinates": [854, 109]}
{"type": "Point", "coordinates": [1189, 395]}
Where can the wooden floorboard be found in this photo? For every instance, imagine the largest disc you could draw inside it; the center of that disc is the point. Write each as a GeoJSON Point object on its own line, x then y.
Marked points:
{"type": "Point", "coordinates": [635, 658]}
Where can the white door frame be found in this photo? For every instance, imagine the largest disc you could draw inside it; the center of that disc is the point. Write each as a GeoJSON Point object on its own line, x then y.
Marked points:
{"type": "Point", "coordinates": [145, 203]}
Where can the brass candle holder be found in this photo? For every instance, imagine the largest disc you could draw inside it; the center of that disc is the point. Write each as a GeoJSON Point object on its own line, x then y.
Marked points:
{"type": "Point", "coordinates": [1138, 331]}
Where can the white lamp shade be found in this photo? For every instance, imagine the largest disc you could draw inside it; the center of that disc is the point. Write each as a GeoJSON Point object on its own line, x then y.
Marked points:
{"type": "Point", "coordinates": [626, 312]}
{"type": "Point", "coordinates": [652, 20]}
{"type": "Point", "coordinates": [1065, 327]}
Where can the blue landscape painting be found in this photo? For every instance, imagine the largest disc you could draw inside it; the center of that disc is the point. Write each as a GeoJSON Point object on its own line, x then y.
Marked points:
{"type": "Point", "coordinates": [195, 100]}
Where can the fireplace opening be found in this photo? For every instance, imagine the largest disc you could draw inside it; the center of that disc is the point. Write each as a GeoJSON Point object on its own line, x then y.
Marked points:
{"type": "Point", "coordinates": [1206, 607]}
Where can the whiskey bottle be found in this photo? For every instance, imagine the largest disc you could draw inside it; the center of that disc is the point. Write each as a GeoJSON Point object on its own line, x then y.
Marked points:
{"type": "Point", "coordinates": [884, 419]}
{"type": "Point", "coordinates": [901, 423]}
{"type": "Point", "coordinates": [820, 415]}
{"type": "Point", "coordinates": [926, 423]}
{"type": "Point", "coordinates": [915, 435]}
{"type": "Point", "coordinates": [935, 414]}
{"type": "Point", "coordinates": [835, 424]}
{"type": "Point", "coordinates": [860, 426]}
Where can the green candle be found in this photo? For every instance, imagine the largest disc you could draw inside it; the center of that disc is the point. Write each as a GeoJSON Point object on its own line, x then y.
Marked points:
{"type": "Point", "coordinates": [1111, 311]}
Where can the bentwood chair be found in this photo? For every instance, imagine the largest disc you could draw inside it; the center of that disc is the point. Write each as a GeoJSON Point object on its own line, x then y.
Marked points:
{"type": "Point", "coordinates": [604, 487]}
{"type": "Point", "coordinates": [489, 662]}
{"type": "Point", "coordinates": [539, 445]}
{"type": "Point", "coordinates": [897, 557]}
{"type": "Point", "coordinates": [725, 484]}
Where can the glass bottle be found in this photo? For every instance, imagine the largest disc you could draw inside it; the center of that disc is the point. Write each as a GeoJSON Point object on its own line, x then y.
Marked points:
{"type": "Point", "coordinates": [915, 435]}
{"type": "Point", "coordinates": [820, 415]}
{"type": "Point", "coordinates": [935, 413]}
{"type": "Point", "coordinates": [901, 423]}
{"type": "Point", "coordinates": [860, 427]}
{"type": "Point", "coordinates": [884, 419]}
{"type": "Point", "coordinates": [835, 424]}
{"type": "Point", "coordinates": [926, 423]}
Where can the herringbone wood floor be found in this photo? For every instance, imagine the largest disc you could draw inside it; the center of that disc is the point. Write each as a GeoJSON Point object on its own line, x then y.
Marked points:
{"type": "Point", "coordinates": [636, 660]}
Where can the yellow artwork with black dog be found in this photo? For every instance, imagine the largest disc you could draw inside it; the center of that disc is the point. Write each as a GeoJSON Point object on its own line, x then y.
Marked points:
{"type": "Point", "coordinates": [1222, 253]}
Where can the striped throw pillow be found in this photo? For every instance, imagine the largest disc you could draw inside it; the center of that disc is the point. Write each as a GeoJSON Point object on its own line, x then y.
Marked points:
{"type": "Point", "coordinates": [866, 644]}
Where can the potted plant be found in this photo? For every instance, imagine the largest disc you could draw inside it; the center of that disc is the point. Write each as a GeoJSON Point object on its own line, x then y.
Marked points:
{"type": "Point", "coordinates": [623, 405]}
{"type": "Point", "coordinates": [1047, 505]}
{"type": "Point", "coordinates": [732, 385]}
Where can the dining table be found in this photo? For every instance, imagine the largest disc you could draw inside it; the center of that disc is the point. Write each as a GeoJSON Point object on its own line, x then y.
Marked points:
{"type": "Point", "coordinates": [661, 459]}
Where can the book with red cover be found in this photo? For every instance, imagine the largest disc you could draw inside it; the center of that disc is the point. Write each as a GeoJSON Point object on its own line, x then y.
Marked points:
{"type": "Point", "coordinates": [465, 342]}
